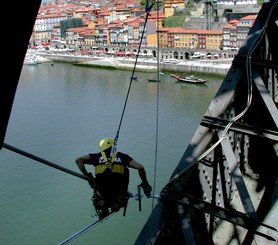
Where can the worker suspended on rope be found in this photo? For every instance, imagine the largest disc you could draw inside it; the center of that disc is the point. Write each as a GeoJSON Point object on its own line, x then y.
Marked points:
{"type": "Point", "coordinates": [111, 179]}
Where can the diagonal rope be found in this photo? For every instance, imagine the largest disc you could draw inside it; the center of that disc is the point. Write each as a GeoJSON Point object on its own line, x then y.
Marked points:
{"type": "Point", "coordinates": [137, 197]}
{"type": "Point", "coordinates": [148, 9]}
{"type": "Point", "coordinates": [83, 230]}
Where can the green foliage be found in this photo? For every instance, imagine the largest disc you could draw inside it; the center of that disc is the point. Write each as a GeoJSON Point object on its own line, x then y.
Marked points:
{"type": "Point", "coordinates": [174, 21]}
{"type": "Point", "coordinates": [143, 4]}
{"type": "Point", "coordinates": [189, 6]}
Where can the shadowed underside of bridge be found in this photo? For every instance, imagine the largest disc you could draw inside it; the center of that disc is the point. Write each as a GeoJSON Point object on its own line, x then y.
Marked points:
{"type": "Point", "coordinates": [224, 189]}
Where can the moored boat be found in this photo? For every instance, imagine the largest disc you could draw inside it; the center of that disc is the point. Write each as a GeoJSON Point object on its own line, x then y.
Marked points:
{"type": "Point", "coordinates": [189, 79]}
{"type": "Point", "coordinates": [153, 80]}
{"type": "Point", "coordinates": [30, 61]}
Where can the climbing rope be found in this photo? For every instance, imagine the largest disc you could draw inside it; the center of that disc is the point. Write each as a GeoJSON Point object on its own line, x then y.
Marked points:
{"type": "Point", "coordinates": [147, 9]}
{"type": "Point", "coordinates": [137, 197]}
{"type": "Point", "coordinates": [83, 230]}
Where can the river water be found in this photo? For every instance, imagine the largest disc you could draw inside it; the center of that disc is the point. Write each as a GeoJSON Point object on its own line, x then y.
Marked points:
{"type": "Point", "coordinates": [61, 112]}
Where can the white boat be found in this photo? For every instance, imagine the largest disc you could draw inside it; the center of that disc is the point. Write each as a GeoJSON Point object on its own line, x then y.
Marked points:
{"type": "Point", "coordinates": [189, 79]}
{"type": "Point", "coordinates": [170, 61]}
{"type": "Point", "coordinates": [30, 60]}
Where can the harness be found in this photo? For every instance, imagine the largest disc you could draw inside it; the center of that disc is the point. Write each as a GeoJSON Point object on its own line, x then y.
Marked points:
{"type": "Point", "coordinates": [109, 164]}
{"type": "Point", "coordinates": [105, 196]}
{"type": "Point", "coordinates": [109, 161]}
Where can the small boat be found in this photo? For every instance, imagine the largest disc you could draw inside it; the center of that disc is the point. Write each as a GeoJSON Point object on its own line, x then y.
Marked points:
{"type": "Point", "coordinates": [134, 78]}
{"type": "Point", "coordinates": [189, 79]}
{"type": "Point", "coordinates": [30, 61]}
{"type": "Point", "coordinates": [153, 80]}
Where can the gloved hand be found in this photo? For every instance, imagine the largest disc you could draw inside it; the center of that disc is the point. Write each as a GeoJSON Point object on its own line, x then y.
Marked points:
{"type": "Point", "coordinates": [91, 182]}
{"type": "Point", "coordinates": [146, 188]}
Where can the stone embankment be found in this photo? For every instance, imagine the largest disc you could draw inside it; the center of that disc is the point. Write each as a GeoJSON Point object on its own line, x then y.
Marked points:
{"type": "Point", "coordinates": [216, 66]}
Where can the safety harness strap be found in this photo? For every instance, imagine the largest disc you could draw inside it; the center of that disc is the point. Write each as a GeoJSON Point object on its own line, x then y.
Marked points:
{"type": "Point", "coordinates": [109, 163]}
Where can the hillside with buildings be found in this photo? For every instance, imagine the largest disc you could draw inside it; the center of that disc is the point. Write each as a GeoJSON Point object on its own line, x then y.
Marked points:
{"type": "Point", "coordinates": [84, 24]}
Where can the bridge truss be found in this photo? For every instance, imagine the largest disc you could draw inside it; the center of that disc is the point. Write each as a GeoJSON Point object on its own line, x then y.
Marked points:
{"type": "Point", "coordinates": [224, 189]}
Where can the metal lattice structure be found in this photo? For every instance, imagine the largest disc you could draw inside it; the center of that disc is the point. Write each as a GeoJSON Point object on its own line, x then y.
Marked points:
{"type": "Point", "coordinates": [224, 189]}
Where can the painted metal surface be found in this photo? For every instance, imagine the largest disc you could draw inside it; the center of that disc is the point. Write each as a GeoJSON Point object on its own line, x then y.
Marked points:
{"type": "Point", "coordinates": [224, 189]}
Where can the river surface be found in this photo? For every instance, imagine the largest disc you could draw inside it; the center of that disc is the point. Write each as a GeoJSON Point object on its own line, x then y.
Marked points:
{"type": "Point", "coordinates": [61, 112]}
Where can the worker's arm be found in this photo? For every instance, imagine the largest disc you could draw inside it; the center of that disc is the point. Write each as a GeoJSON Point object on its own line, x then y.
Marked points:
{"type": "Point", "coordinates": [143, 175]}
{"type": "Point", "coordinates": [141, 170]}
{"type": "Point", "coordinates": [80, 164]}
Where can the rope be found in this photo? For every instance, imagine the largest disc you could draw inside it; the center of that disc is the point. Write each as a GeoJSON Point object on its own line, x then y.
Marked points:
{"type": "Point", "coordinates": [56, 166]}
{"type": "Point", "coordinates": [148, 9]}
{"type": "Point", "coordinates": [137, 197]}
{"type": "Point", "coordinates": [82, 231]}
{"type": "Point", "coordinates": [157, 103]}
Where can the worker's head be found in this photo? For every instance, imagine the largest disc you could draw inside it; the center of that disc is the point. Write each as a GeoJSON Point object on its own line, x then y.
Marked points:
{"type": "Point", "coordinates": [106, 143]}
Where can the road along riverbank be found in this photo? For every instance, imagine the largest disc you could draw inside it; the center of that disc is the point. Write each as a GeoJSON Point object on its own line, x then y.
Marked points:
{"type": "Point", "coordinates": [217, 66]}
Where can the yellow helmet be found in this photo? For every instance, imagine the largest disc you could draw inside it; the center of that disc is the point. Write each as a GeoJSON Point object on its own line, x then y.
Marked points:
{"type": "Point", "coordinates": [106, 143]}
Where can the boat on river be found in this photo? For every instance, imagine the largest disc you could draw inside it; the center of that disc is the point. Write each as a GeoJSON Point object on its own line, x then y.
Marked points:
{"type": "Point", "coordinates": [189, 79]}
{"type": "Point", "coordinates": [153, 80]}
{"type": "Point", "coordinates": [30, 60]}
{"type": "Point", "coordinates": [134, 78]}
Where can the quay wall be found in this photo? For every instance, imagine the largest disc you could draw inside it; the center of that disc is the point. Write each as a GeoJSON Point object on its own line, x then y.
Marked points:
{"type": "Point", "coordinates": [218, 67]}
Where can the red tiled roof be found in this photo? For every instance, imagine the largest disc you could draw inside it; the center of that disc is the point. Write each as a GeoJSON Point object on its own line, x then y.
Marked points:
{"type": "Point", "coordinates": [249, 17]}
{"type": "Point", "coordinates": [189, 31]}
{"type": "Point", "coordinates": [235, 21]}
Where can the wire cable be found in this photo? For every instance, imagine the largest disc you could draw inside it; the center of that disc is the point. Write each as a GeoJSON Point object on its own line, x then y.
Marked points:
{"type": "Point", "coordinates": [148, 9]}
{"type": "Point", "coordinates": [157, 102]}
{"type": "Point", "coordinates": [137, 197]}
{"type": "Point", "coordinates": [83, 230]}
{"type": "Point", "coordinates": [249, 100]}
